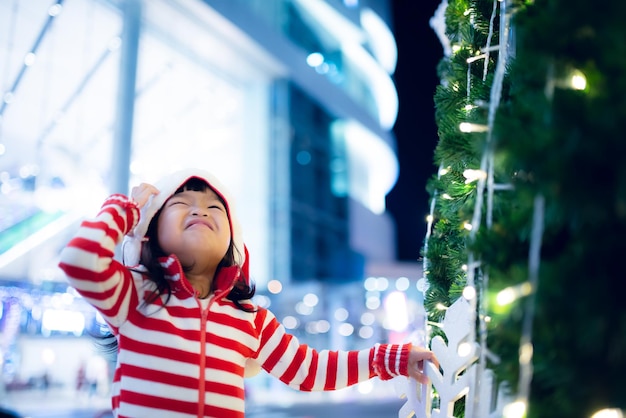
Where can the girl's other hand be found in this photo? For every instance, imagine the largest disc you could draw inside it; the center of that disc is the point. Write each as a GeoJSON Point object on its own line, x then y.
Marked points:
{"type": "Point", "coordinates": [142, 193]}
{"type": "Point", "coordinates": [417, 357]}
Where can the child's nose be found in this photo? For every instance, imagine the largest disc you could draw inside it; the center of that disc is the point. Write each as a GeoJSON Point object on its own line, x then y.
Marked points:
{"type": "Point", "coordinates": [199, 211]}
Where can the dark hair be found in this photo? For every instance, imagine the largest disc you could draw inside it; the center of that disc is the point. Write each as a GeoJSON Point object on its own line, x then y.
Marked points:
{"type": "Point", "coordinates": [151, 251]}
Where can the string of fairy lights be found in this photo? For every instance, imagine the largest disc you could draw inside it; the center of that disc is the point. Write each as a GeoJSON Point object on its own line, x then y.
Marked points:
{"type": "Point", "coordinates": [484, 195]}
{"type": "Point", "coordinates": [484, 178]}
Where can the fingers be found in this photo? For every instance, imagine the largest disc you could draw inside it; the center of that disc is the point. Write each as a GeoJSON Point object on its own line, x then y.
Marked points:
{"type": "Point", "coordinates": [416, 371]}
{"type": "Point", "coordinates": [432, 358]}
{"type": "Point", "coordinates": [140, 194]}
{"type": "Point", "coordinates": [421, 354]}
{"type": "Point", "coordinates": [417, 357]}
{"type": "Point", "coordinates": [421, 377]}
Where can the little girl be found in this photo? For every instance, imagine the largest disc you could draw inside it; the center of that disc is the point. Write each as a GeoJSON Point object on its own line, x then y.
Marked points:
{"type": "Point", "coordinates": [180, 307]}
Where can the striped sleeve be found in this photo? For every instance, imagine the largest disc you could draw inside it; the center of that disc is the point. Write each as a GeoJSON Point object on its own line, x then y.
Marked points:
{"type": "Point", "coordinates": [307, 369]}
{"type": "Point", "coordinates": [87, 260]}
{"type": "Point", "coordinates": [391, 360]}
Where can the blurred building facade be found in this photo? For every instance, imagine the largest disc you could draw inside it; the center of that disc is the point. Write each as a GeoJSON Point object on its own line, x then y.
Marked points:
{"type": "Point", "coordinates": [290, 102]}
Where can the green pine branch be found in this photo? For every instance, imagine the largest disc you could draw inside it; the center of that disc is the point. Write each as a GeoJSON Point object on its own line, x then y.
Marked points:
{"type": "Point", "coordinates": [566, 145]}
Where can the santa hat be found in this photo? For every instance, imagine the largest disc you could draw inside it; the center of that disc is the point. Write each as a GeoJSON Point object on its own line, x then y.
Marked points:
{"type": "Point", "coordinates": [167, 186]}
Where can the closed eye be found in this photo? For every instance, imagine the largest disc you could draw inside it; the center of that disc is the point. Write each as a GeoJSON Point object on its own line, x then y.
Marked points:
{"type": "Point", "coordinates": [178, 202]}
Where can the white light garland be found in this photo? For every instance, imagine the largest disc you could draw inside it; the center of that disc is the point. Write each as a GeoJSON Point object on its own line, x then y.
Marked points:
{"type": "Point", "coordinates": [484, 178]}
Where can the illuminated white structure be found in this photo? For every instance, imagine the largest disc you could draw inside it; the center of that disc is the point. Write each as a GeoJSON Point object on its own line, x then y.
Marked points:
{"type": "Point", "coordinates": [100, 95]}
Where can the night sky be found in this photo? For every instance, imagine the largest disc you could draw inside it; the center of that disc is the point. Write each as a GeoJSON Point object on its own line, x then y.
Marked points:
{"type": "Point", "coordinates": [419, 52]}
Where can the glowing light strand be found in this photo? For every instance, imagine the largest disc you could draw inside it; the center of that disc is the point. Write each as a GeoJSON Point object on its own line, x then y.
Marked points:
{"type": "Point", "coordinates": [486, 181]}
{"type": "Point", "coordinates": [486, 164]}
{"type": "Point", "coordinates": [431, 216]}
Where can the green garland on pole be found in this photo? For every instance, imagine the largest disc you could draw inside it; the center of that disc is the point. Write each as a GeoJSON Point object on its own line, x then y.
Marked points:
{"type": "Point", "coordinates": [562, 141]}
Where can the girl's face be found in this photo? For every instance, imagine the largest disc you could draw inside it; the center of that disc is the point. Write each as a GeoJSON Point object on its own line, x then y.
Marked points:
{"type": "Point", "coordinates": [194, 226]}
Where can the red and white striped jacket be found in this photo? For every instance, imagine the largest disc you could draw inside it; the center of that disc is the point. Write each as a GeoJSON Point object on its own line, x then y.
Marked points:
{"type": "Point", "coordinates": [178, 359]}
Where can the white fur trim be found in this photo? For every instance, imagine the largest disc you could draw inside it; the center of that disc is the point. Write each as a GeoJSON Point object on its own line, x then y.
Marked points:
{"type": "Point", "coordinates": [131, 246]}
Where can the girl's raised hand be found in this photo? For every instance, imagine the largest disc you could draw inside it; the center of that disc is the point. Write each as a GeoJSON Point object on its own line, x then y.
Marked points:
{"type": "Point", "coordinates": [142, 193]}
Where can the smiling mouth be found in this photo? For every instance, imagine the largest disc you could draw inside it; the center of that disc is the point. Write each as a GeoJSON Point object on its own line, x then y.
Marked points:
{"type": "Point", "coordinates": [199, 224]}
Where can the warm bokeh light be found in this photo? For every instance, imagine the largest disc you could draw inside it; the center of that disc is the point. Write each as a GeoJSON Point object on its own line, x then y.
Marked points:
{"type": "Point", "coordinates": [402, 284]}
{"type": "Point", "coordinates": [303, 309]}
{"type": "Point", "coordinates": [473, 175]}
{"type": "Point", "coordinates": [310, 299]}
{"type": "Point", "coordinates": [274, 286]}
{"type": "Point", "coordinates": [609, 413]}
{"type": "Point", "coordinates": [367, 318]}
{"type": "Point", "coordinates": [525, 353]}
{"type": "Point", "coordinates": [370, 283]}
{"type": "Point", "coordinates": [346, 329]}
{"type": "Point", "coordinates": [472, 127]}
{"type": "Point", "coordinates": [515, 409]}
{"type": "Point", "coordinates": [366, 332]}
{"type": "Point", "coordinates": [341, 314]}
{"type": "Point", "coordinates": [464, 349]}
{"type": "Point", "coordinates": [372, 302]}
{"type": "Point", "coordinates": [396, 311]}
{"type": "Point", "coordinates": [290, 322]}
{"type": "Point", "coordinates": [469, 292]}
{"type": "Point", "coordinates": [578, 81]}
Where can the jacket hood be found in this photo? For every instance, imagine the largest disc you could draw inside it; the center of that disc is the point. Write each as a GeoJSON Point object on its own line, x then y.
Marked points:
{"type": "Point", "coordinates": [131, 246]}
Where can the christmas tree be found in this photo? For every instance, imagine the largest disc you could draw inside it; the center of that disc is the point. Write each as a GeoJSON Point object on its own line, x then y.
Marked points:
{"type": "Point", "coordinates": [529, 200]}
